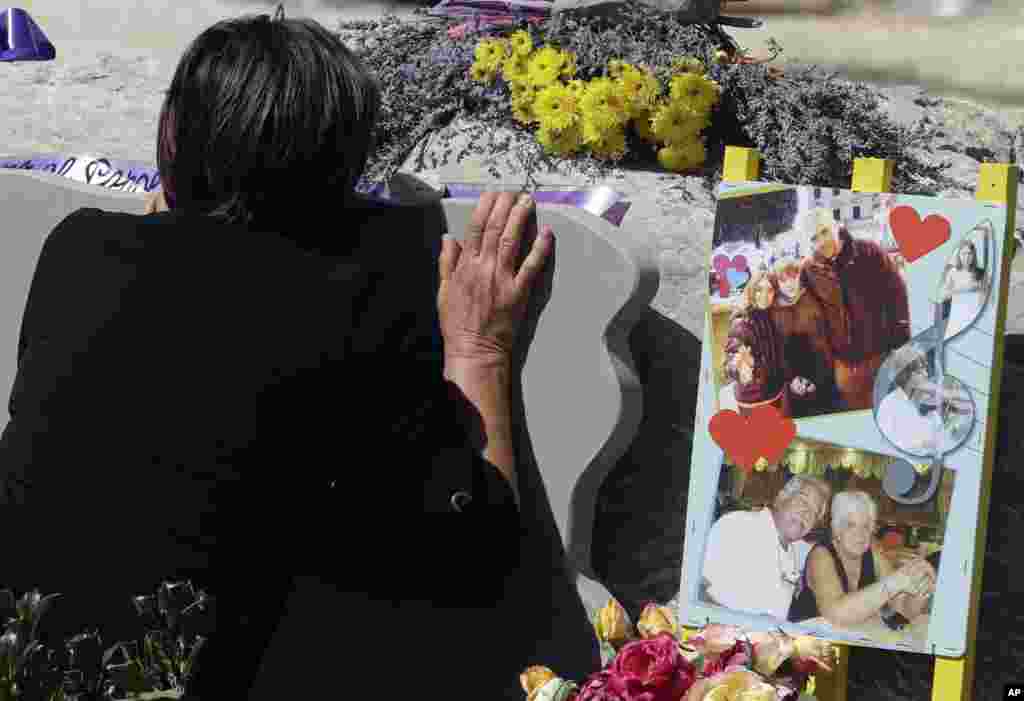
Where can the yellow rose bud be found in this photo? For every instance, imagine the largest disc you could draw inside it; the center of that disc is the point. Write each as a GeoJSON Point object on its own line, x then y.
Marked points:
{"type": "Point", "coordinates": [770, 653]}
{"type": "Point", "coordinates": [762, 691]}
{"type": "Point", "coordinates": [808, 649]}
{"type": "Point", "coordinates": [724, 686]}
{"type": "Point", "coordinates": [613, 624]}
{"type": "Point", "coordinates": [655, 620]}
{"type": "Point", "coordinates": [556, 689]}
{"type": "Point", "coordinates": [534, 678]}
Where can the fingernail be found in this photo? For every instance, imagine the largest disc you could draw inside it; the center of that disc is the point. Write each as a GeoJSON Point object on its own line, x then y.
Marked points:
{"type": "Point", "coordinates": [525, 200]}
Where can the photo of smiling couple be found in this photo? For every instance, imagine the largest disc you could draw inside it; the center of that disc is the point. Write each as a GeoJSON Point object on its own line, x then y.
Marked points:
{"type": "Point", "coordinates": [843, 575]}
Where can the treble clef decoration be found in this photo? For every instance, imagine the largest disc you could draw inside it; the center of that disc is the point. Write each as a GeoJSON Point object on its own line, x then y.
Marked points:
{"type": "Point", "coordinates": [913, 378]}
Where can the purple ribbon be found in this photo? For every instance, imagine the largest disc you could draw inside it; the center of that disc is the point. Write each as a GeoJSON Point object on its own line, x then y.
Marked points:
{"type": "Point", "coordinates": [600, 201]}
{"type": "Point", "coordinates": [465, 8]}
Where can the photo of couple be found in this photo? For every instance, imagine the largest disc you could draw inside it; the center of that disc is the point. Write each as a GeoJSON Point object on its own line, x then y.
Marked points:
{"type": "Point", "coordinates": [821, 545]}
{"type": "Point", "coordinates": [807, 334]}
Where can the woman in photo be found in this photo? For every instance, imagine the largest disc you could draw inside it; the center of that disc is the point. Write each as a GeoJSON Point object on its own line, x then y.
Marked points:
{"type": "Point", "coordinates": [847, 582]}
{"type": "Point", "coordinates": [965, 287]}
{"type": "Point", "coordinates": [753, 351]}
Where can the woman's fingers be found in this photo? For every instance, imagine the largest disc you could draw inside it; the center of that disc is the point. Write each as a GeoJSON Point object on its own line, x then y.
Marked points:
{"type": "Point", "coordinates": [478, 222]}
{"type": "Point", "coordinates": [536, 259]}
{"type": "Point", "coordinates": [498, 223]}
{"type": "Point", "coordinates": [512, 238]}
{"type": "Point", "coordinates": [449, 258]}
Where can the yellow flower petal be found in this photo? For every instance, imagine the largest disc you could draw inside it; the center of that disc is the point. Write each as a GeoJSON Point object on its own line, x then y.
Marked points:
{"type": "Point", "coordinates": [674, 123]}
{"type": "Point", "coordinates": [698, 92]}
{"type": "Point", "coordinates": [521, 43]}
{"type": "Point", "coordinates": [560, 143]}
{"type": "Point", "coordinates": [603, 104]}
{"type": "Point", "coordinates": [544, 66]}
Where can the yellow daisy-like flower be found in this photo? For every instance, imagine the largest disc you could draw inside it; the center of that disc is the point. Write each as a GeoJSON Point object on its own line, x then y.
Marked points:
{"type": "Point", "coordinates": [591, 132]}
{"type": "Point", "coordinates": [642, 125]}
{"type": "Point", "coordinates": [522, 91]}
{"type": "Point", "coordinates": [615, 67]}
{"type": "Point", "coordinates": [545, 66]}
{"type": "Point", "coordinates": [603, 104]}
{"type": "Point", "coordinates": [521, 43]}
{"type": "Point", "coordinates": [490, 53]}
{"type": "Point", "coordinates": [688, 64]}
{"type": "Point", "coordinates": [556, 107]}
{"type": "Point", "coordinates": [515, 69]}
{"type": "Point", "coordinates": [578, 87]}
{"type": "Point", "coordinates": [560, 143]}
{"type": "Point", "coordinates": [522, 109]}
{"type": "Point", "coordinates": [611, 146]}
{"type": "Point", "coordinates": [568, 64]}
{"type": "Point", "coordinates": [676, 123]}
{"type": "Point", "coordinates": [682, 157]}
{"type": "Point", "coordinates": [640, 89]}
{"type": "Point", "coordinates": [698, 91]}
{"type": "Point", "coordinates": [482, 73]}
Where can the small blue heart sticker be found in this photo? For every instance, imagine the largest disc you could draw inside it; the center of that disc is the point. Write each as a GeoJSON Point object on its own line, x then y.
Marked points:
{"type": "Point", "coordinates": [736, 278]}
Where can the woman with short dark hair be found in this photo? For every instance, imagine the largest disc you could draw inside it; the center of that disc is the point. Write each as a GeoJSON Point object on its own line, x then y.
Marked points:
{"type": "Point", "coordinates": [259, 107]}
{"type": "Point", "coordinates": [277, 377]}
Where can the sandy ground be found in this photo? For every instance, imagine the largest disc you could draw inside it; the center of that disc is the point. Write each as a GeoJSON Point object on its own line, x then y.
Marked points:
{"type": "Point", "coordinates": [102, 94]}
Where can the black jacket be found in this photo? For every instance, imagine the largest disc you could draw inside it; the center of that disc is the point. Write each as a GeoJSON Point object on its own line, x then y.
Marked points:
{"type": "Point", "coordinates": [197, 400]}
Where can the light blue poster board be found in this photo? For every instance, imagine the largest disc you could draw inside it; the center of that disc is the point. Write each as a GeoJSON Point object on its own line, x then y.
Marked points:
{"type": "Point", "coordinates": [969, 356]}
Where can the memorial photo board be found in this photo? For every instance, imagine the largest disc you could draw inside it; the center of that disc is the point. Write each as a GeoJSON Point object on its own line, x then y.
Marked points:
{"type": "Point", "coordinates": [846, 385]}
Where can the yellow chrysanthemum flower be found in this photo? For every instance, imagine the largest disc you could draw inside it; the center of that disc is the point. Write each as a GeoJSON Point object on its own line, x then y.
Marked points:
{"type": "Point", "coordinates": [611, 146]}
{"type": "Point", "coordinates": [591, 132]}
{"type": "Point", "coordinates": [676, 123]}
{"type": "Point", "coordinates": [556, 107]}
{"type": "Point", "coordinates": [568, 64]}
{"type": "Point", "coordinates": [603, 104]}
{"type": "Point", "coordinates": [615, 68]}
{"type": "Point", "coordinates": [521, 43]}
{"type": "Point", "coordinates": [560, 143]}
{"type": "Point", "coordinates": [688, 64]}
{"type": "Point", "coordinates": [640, 89]}
{"type": "Point", "coordinates": [545, 66]}
{"type": "Point", "coordinates": [522, 109]}
{"type": "Point", "coordinates": [482, 73]}
{"type": "Point", "coordinates": [515, 69]}
{"type": "Point", "coordinates": [490, 53]}
{"type": "Point", "coordinates": [521, 91]}
{"type": "Point", "coordinates": [578, 87]}
{"type": "Point", "coordinates": [698, 91]}
{"type": "Point", "coordinates": [642, 125]}
{"type": "Point", "coordinates": [682, 157]}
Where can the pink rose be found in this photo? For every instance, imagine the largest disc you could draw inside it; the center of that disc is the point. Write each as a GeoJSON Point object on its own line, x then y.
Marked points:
{"type": "Point", "coordinates": [598, 688]}
{"type": "Point", "coordinates": [716, 638]}
{"type": "Point", "coordinates": [651, 670]}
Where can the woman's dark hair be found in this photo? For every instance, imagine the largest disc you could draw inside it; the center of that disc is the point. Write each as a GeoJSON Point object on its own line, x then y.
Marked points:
{"type": "Point", "coordinates": [263, 118]}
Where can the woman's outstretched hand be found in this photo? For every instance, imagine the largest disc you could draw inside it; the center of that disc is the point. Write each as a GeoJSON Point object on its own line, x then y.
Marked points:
{"type": "Point", "coordinates": [483, 295]}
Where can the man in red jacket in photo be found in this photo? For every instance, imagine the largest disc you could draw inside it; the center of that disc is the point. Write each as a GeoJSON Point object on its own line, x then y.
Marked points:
{"type": "Point", "coordinates": [866, 306]}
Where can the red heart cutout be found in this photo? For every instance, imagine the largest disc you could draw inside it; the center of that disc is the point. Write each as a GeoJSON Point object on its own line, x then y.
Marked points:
{"type": "Point", "coordinates": [915, 237]}
{"type": "Point", "coordinates": [764, 434]}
